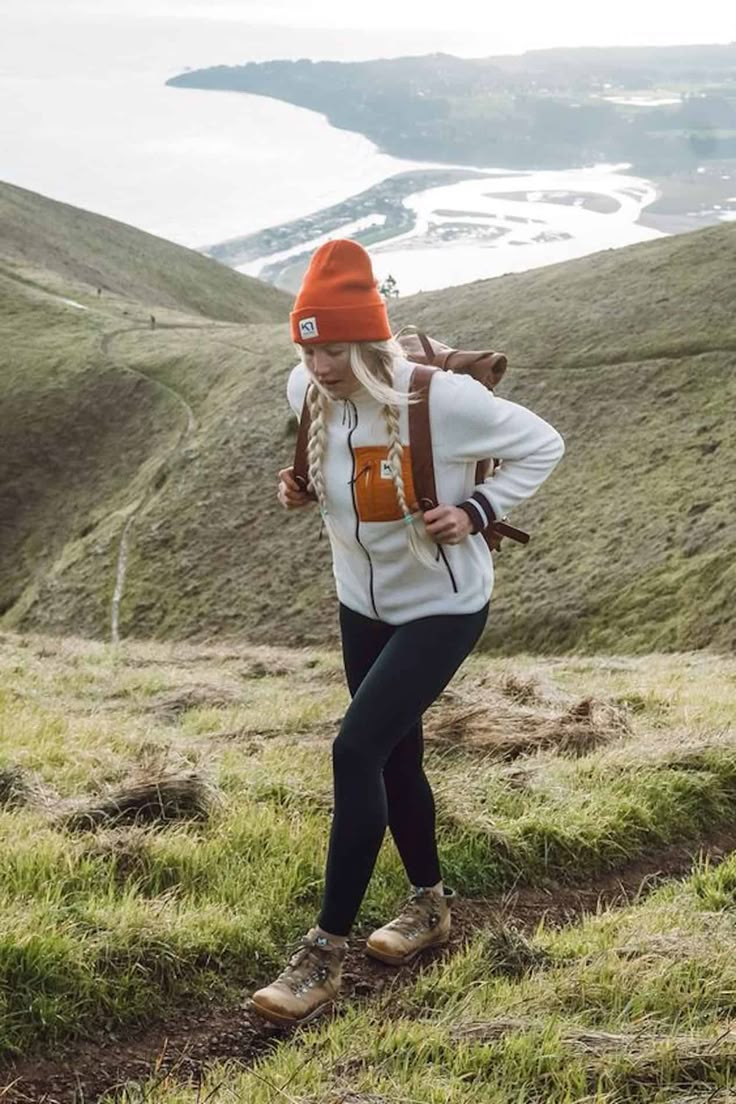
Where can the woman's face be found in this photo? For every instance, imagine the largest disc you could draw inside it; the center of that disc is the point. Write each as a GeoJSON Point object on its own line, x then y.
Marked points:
{"type": "Point", "coordinates": [329, 365]}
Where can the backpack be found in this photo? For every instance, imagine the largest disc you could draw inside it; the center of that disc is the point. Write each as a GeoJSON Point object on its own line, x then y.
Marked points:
{"type": "Point", "coordinates": [430, 356]}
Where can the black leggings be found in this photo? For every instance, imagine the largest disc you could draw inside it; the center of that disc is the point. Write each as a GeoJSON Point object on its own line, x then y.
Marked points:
{"type": "Point", "coordinates": [394, 673]}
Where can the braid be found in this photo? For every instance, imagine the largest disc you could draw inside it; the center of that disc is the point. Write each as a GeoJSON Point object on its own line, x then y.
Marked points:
{"type": "Point", "coordinates": [396, 455]}
{"type": "Point", "coordinates": [416, 535]}
{"type": "Point", "coordinates": [316, 445]}
{"type": "Point", "coordinates": [379, 381]}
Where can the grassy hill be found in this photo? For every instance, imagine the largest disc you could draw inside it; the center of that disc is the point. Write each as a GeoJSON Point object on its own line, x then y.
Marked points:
{"type": "Point", "coordinates": [631, 354]}
{"type": "Point", "coordinates": [164, 810]}
{"type": "Point", "coordinates": [101, 252]}
{"type": "Point", "coordinates": [164, 807]}
{"type": "Point", "coordinates": [138, 474]}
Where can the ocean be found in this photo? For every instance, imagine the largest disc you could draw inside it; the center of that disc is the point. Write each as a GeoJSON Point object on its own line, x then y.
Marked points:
{"type": "Point", "coordinates": [86, 118]}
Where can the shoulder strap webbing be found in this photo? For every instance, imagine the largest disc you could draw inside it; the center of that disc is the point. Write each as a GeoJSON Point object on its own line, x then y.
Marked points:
{"type": "Point", "coordinates": [427, 346]}
{"type": "Point", "coordinates": [422, 461]}
{"type": "Point", "coordinates": [482, 469]}
{"type": "Point", "coordinates": [420, 439]}
{"type": "Point", "coordinates": [301, 466]}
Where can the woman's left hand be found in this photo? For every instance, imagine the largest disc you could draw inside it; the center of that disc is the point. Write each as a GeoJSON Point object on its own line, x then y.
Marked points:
{"type": "Point", "coordinates": [447, 524]}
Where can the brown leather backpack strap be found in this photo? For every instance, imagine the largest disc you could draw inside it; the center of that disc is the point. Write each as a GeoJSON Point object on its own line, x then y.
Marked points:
{"type": "Point", "coordinates": [301, 465]}
{"type": "Point", "coordinates": [505, 530]}
{"type": "Point", "coordinates": [482, 469]}
{"type": "Point", "coordinates": [420, 439]}
{"type": "Point", "coordinates": [427, 346]}
{"type": "Point", "coordinates": [422, 460]}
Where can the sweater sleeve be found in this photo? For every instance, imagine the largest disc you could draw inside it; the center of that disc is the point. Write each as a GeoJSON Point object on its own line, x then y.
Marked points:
{"type": "Point", "coordinates": [472, 424]}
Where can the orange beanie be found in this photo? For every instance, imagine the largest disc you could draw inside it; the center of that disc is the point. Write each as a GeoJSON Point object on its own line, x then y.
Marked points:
{"type": "Point", "coordinates": [338, 299]}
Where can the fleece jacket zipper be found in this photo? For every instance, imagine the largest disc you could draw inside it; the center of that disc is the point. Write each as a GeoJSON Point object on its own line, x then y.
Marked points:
{"type": "Point", "coordinates": [447, 565]}
{"type": "Point", "coordinates": [355, 507]}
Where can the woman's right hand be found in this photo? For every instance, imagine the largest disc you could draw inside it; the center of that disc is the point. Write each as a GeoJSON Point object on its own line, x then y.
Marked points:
{"type": "Point", "coordinates": [290, 494]}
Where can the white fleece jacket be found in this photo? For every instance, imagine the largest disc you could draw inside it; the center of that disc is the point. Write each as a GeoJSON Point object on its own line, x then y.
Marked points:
{"type": "Point", "coordinates": [375, 571]}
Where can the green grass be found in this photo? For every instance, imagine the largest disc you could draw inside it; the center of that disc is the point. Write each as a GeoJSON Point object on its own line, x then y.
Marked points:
{"type": "Point", "coordinates": [630, 354]}
{"type": "Point", "coordinates": [95, 251]}
{"type": "Point", "coordinates": [634, 1005]}
{"type": "Point", "coordinates": [114, 926]}
{"type": "Point", "coordinates": [92, 417]}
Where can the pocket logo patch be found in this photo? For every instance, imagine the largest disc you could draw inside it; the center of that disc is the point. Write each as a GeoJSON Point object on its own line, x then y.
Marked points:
{"type": "Point", "coordinates": [375, 492]}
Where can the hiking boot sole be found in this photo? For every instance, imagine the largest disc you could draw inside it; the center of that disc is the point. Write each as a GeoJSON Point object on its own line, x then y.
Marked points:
{"type": "Point", "coordinates": [289, 1021]}
{"type": "Point", "coordinates": [401, 960]}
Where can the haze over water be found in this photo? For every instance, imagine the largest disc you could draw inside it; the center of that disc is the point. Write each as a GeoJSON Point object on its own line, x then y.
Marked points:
{"type": "Point", "coordinates": [85, 116]}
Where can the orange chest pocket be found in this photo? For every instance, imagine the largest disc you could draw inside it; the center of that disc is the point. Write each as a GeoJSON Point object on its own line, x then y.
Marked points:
{"type": "Point", "coordinates": [375, 493]}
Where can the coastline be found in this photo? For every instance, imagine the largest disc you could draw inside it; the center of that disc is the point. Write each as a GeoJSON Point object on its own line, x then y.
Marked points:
{"type": "Point", "coordinates": [450, 225]}
{"type": "Point", "coordinates": [613, 209]}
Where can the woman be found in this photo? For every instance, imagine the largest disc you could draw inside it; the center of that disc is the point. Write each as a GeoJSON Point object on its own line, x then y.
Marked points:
{"type": "Point", "coordinates": [413, 593]}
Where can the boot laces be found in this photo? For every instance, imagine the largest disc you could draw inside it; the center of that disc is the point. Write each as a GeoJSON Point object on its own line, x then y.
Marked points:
{"type": "Point", "coordinates": [418, 914]}
{"type": "Point", "coordinates": [310, 963]}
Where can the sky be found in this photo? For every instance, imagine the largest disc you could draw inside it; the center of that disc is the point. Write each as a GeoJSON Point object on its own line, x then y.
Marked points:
{"type": "Point", "coordinates": [512, 27]}
{"type": "Point", "coordinates": [86, 116]}
{"type": "Point", "coordinates": [336, 28]}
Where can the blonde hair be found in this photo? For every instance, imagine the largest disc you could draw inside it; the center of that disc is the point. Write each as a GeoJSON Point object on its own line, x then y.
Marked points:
{"type": "Point", "coordinates": [372, 364]}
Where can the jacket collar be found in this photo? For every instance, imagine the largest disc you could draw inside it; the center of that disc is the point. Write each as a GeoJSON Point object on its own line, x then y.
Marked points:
{"type": "Point", "coordinates": [363, 399]}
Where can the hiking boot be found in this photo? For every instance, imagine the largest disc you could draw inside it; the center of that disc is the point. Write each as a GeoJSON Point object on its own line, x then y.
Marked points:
{"type": "Point", "coordinates": [307, 986]}
{"type": "Point", "coordinates": [423, 922]}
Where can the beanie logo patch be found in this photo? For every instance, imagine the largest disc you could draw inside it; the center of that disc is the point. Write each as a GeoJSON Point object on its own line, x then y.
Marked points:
{"type": "Point", "coordinates": [308, 328]}
{"type": "Point", "coordinates": [387, 471]}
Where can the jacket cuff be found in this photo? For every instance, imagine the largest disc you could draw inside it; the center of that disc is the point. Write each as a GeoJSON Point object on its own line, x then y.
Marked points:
{"type": "Point", "coordinates": [479, 510]}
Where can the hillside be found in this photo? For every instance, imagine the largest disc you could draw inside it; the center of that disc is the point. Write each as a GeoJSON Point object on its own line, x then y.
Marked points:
{"type": "Point", "coordinates": [631, 354]}
{"type": "Point", "coordinates": [140, 464]}
{"type": "Point", "coordinates": [101, 252]}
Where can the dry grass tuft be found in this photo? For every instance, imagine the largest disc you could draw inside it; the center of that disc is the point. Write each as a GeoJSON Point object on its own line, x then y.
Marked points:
{"type": "Point", "coordinates": [17, 788]}
{"type": "Point", "coordinates": [525, 691]}
{"type": "Point", "coordinates": [705, 1096]}
{"type": "Point", "coordinates": [585, 726]}
{"type": "Point", "coordinates": [676, 945]}
{"type": "Point", "coordinates": [690, 1053]}
{"type": "Point", "coordinates": [257, 669]}
{"type": "Point", "coordinates": [509, 952]}
{"type": "Point", "coordinates": [505, 731]}
{"type": "Point", "coordinates": [169, 706]}
{"type": "Point", "coordinates": [354, 1098]}
{"type": "Point", "coordinates": [675, 748]}
{"type": "Point", "coordinates": [275, 663]}
{"type": "Point", "coordinates": [520, 776]}
{"type": "Point", "coordinates": [125, 850]}
{"type": "Point", "coordinates": [172, 795]}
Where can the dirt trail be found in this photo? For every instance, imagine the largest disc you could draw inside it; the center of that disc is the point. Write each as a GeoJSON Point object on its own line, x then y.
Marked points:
{"type": "Point", "coordinates": [184, 1045]}
{"type": "Point", "coordinates": [187, 431]}
{"type": "Point", "coordinates": [154, 484]}
{"type": "Point", "coordinates": [167, 461]}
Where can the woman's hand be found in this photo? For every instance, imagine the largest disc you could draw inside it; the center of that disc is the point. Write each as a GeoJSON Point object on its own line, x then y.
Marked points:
{"type": "Point", "coordinates": [290, 494]}
{"type": "Point", "coordinates": [447, 524]}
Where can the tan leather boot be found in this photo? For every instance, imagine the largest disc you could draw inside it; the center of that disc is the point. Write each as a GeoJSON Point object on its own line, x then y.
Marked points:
{"type": "Point", "coordinates": [307, 986]}
{"type": "Point", "coordinates": [423, 922]}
